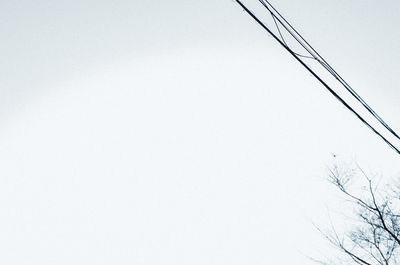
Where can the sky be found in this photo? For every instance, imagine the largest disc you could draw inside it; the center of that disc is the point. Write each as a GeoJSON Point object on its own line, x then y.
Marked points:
{"type": "Point", "coordinates": [178, 132]}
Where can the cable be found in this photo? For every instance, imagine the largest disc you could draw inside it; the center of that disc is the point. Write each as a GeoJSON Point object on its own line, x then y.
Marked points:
{"type": "Point", "coordinates": [280, 34]}
{"type": "Point", "coordinates": [283, 39]}
{"type": "Point", "coordinates": [288, 30]}
{"type": "Point", "coordinates": [317, 77]}
{"type": "Point", "coordinates": [325, 64]}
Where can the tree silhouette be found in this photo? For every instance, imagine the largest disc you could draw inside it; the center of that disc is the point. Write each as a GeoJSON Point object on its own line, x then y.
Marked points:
{"type": "Point", "coordinates": [375, 235]}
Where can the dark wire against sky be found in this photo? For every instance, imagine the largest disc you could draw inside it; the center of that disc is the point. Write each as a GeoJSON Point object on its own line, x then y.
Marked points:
{"type": "Point", "coordinates": [277, 17]}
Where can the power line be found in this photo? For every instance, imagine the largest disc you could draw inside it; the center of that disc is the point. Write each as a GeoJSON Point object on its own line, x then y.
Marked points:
{"type": "Point", "coordinates": [295, 34]}
{"type": "Point", "coordinates": [317, 77]}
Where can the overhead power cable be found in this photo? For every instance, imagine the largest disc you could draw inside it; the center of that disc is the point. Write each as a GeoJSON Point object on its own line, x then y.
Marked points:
{"type": "Point", "coordinates": [317, 77]}
{"type": "Point", "coordinates": [299, 38]}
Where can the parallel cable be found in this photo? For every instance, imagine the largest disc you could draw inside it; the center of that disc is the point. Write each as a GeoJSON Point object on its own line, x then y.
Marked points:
{"type": "Point", "coordinates": [323, 62]}
{"type": "Point", "coordinates": [317, 77]}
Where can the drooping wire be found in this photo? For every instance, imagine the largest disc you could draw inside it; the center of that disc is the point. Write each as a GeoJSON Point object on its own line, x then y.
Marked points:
{"type": "Point", "coordinates": [341, 100]}
{"type": "Point", "coordinates": [295, 34]}
{"type": "Point", "coordinates": [283, 39]}
{"type": "Point", "coordinates": [291, 33]}
{"type": "Point", "coordinates": [279, 30]}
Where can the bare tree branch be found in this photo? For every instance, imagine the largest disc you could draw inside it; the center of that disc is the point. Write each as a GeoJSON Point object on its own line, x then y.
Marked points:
{"type": "Point", "coordinates": [375, 238]}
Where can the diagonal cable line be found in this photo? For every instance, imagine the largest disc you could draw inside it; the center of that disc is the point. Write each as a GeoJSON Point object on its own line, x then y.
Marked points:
{"type": "Point", "coordinates": [317, 77]}
{"type": "Point", "coordinates": [299, 38]}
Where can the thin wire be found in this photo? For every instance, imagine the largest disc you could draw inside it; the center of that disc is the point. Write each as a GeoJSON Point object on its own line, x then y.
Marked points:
{"type": "Point", "coordinates": [317, 77]}
{"type": "Point", "coordinates": [325, 64]}
{"type": "Point", "coordinates": [288, 30]}
{"type": "Point", "coordinates": [283, 39]}
{"type": "Point", "coordinates": [304, 56]}
{"type": "Point", "coordinates": [279, 30]}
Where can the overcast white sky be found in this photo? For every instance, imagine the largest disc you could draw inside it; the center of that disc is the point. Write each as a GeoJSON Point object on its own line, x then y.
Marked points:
{"type": "Point", "coordinates": [178, 132]}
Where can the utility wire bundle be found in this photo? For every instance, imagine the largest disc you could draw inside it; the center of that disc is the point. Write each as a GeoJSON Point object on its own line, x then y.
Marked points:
{"type": "Point", "coordinates": [282, 24]}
